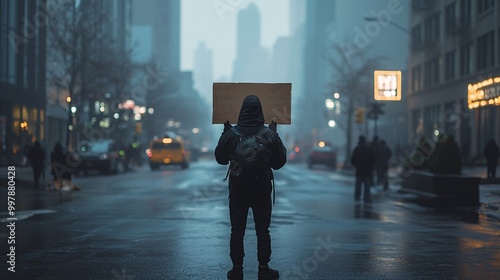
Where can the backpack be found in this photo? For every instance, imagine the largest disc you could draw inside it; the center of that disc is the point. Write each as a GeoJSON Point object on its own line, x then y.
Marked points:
{"type": "Point", "coordinates": [250, 156]}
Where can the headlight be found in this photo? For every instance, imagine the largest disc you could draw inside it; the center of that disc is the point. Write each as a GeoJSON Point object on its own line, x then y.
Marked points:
{"type": "Point", "coordinates": [103, 156]}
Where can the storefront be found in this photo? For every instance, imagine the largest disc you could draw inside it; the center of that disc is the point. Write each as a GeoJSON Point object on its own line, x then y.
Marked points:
{"type": "Point", "coordinates": [484, 101]}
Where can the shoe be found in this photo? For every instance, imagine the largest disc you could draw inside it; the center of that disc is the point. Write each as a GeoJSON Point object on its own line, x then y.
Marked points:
{"type": "Point", "coordinates": [268, 274]}
{"type": "Point", "coordinates": [236, 273]}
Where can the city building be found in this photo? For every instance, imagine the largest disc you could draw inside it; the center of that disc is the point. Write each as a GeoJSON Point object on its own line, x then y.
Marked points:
{"type": "Point", "coordinates": [319, 23]}
{"type": "Point", "coordinates": [252, 60]}
{"type": "Point", "coordinates": [156, 32]}
{"type": "Point", "coordinates": [22, 77]}
{"type": "Point", "coordinates": [454, 72]}
{"type": "Point", "coordinates": [203, 71]}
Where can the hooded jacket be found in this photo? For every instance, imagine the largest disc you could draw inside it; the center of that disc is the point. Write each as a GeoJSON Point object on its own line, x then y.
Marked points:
{"type": "Point", "coordinates": [251, 122]}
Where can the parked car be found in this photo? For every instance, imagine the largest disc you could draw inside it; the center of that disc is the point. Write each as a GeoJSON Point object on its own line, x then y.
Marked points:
{"type": "Point", "coordinates": [322, 155]}
{"type": "Point", "coordinates": [167, 151]}
{"type": "Point", "coordinates": [99, 155]}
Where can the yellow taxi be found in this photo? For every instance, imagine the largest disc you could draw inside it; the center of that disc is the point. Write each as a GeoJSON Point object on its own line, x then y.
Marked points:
{"type": "Point", "coordinates": [167, 151]}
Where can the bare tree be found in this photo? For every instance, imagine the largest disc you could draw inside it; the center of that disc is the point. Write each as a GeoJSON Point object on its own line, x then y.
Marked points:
{"type": "Point", "coordinates": [83, 58]}
{"type": "Point", "coordinates": [352, 76]}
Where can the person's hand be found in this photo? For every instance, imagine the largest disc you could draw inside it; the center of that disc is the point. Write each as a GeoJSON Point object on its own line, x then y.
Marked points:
{"type": "Point", "coordinates": [272, 126]}
{"type": "Point", "coordinates": [227, 126]}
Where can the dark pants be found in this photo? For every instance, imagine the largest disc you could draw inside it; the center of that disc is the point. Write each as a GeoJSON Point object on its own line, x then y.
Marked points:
{"type": "Point", "coordinates": [492, 170]}
{"type": "Point", "coordinates": [366, 181]}
{"type": "Point", "coordinates": [239, 204]}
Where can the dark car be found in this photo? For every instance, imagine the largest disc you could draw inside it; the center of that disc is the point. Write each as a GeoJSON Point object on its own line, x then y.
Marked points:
{"type": "Point", "coordinates": [101, 156]}
{"type": "Point", "coordinates": [323, 156]}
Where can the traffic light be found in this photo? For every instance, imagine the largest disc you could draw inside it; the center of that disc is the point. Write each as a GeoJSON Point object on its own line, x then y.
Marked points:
{"type": "Point", "coordinates": [360, 115]}
{"type": "Point", "coordinates": [375, 110]}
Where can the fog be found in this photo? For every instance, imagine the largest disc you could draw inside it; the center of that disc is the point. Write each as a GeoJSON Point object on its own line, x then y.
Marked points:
{"type": "Point", "coordinates": [140, 68]}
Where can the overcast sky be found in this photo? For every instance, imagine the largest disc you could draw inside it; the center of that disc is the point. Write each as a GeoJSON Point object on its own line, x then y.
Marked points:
{"type": "Point", "coordinates": [202, 22]}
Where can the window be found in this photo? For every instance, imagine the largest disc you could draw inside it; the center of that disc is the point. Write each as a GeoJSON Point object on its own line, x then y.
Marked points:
{"type": "Point", "coordinates": [431, 72]}
{"type": "Point", "coordinates": [449, 65]}
{"type": "Point", "coordinates": [418, 5]}
{"type": "Point", "coordinates": [486, 51]}
{"type": "Point", "coordinates": [465, 59]}
{"type": "Point", "coordinates": [8, 29]}
{"type": "Point", "coordinates": [484, 6]}
{"type": "Point", "coordinates": [432, 119]}
{"type": "Point", "coordinates": [416, 78]}
{"type": "Point", "coordinates": [417, 122]}
{"type": "Point", "coordinates": [416, 37]}
{"type": "Point", "coordinates": [465, 14]}
{"type": "Point", "coordinates": [431, 27]}
{"type": "Point", "coordinates": [450, 17]}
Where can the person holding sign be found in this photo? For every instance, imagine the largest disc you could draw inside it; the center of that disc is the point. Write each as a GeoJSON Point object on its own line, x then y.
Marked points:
{"type": "Point", "coordinates": [252, 151]}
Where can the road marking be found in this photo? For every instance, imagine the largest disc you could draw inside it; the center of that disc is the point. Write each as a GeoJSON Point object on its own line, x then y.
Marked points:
{"type": "Point", "coordinates": [183, 185]}
{"type": "Point", "coordinates": [22, 215]}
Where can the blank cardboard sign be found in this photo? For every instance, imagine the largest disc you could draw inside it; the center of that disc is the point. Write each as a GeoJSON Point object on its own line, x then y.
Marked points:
{"type": "Point", "coordinates": [276, 100]}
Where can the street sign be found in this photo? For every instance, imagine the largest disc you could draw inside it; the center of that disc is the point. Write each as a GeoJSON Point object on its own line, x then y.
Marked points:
{"type": "Point", "coordinates": [387, 85]}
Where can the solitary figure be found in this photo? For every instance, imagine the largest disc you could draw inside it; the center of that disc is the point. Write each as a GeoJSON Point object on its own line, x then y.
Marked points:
{"type": "Point", "coordinates": [363, 158]}
{"type": "Point", "coordinates": [491, 153]}
{"type": "Point", "coordinates": [252, 150]}
{"type": "Point", "coordinates": [37, 156]}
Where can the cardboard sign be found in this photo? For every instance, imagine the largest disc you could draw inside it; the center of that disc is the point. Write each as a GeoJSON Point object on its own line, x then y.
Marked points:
{"type": "Point", "coordinates": [276, 100]}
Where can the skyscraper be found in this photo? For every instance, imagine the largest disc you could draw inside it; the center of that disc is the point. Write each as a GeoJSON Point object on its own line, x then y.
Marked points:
{"type": "Point", "coordinates": [320, 17]}
{"type": "Point", "coordinates": [22, 78]}
{"type": "Point", "coordinates": [297, 14]}
{"type": "Point", "coordinates": [252, 60]}
{"type": "Point", "coordinates": [156, 32]}
{"type": "Point", "coordinates": [203, 71]}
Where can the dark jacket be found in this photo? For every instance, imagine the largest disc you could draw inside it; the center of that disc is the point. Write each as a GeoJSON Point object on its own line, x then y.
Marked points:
{"type": "Point", "coordinates": [60, 169]}
{"type": "Point", "coordinates": [36, 155]}
{"type": "Point", "coordinates": [363, 158]}
{"type": "Point", "coordinates": [251, 122]}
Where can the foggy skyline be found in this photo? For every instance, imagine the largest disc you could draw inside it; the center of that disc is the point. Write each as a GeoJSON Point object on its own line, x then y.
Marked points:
{"type": "Point", "coordinates": [201, 22]}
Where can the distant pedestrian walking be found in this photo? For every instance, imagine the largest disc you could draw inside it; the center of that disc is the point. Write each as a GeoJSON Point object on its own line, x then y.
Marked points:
{"type": "Point", "coordinates": [58, 163]}
{"type": "Point", "coordinates": [36, 156]}
{"type": "Point", "coordinates": [383, 157]}
{"type": "Point", "coordinates": [60, 169]}
{"type": "Point", "coordinates": [363, 158]}
{"type": "Point", "coordinates": [491, 152]}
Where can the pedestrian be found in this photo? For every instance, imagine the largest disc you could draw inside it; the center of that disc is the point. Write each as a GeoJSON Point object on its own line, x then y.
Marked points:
{"type": "Point", "coordinates": [60, 169]}
{"type": "Point", "coordinates": [491, 153]}
{"type": "Point", "coordinates": [250, 182]}
{"type": "Point", "coordinates": [384, 157]}
{"type": "Point", "coordinates": [36, 156]}
{"type": "Point", "coordinates": [363, 159]}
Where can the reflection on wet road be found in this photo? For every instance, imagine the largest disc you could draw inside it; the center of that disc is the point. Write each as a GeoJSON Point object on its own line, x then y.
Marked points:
{"type": "Point", "coordinates": [173, 224]}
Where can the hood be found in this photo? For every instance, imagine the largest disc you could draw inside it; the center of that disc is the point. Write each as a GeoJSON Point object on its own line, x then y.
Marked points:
{"type": "Point", "coordinates": [251, 112]}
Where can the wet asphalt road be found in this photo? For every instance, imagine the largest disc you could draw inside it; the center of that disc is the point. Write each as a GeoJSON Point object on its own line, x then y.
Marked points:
{"type": "Point", "coordinates": [173, 224]}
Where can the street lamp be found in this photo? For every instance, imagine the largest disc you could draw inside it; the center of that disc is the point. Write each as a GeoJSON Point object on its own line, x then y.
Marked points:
{"type": "Point", "coordinates": [329, 104]}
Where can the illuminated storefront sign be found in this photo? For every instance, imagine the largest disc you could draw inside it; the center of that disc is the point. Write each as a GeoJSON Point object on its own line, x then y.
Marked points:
{"type": "Point", "coordinates": [387, 85]}
{"type": "Point", "coordinates": [484, 93]}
